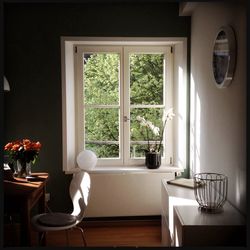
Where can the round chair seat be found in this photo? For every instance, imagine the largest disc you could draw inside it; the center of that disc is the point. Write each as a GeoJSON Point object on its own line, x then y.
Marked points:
{"type": "Point", "coordinates": [56, 219]}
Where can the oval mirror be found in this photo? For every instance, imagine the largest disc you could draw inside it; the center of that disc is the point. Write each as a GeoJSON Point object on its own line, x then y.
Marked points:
{"type": "Point", "coordinates": [224, 57]}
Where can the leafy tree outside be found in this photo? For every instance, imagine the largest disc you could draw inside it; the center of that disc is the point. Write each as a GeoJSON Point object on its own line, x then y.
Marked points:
{"type": "Point", "coordinates": [101, 100]}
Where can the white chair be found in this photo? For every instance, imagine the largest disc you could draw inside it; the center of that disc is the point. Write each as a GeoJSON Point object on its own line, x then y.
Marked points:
{"type": "Point", "coordinates": [79, 192]}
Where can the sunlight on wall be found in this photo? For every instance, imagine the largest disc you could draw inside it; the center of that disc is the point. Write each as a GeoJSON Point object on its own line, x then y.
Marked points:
{"type": "Point", "coordinates": [239, 186]}
{"type": "Point", "coordinates": [181, 116]}
{"type": "Point", "coordinates": [198, 133]}
{"type": "Point", "coordinates": [195, 116]}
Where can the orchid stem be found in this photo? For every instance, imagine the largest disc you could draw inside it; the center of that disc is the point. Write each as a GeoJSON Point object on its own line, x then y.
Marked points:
{"type": "Point", "coordinates": [162, 135]}
{"type": "Point", "coordinates": [148, 139]}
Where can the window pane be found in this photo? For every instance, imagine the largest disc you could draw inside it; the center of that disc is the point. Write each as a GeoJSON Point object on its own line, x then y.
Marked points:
{"type": "Point", "coordinates": [139, 135]}
{"type": "Point", "coordinates": [101, 78]}
{"type": "Point", "coordinates": [102, 131]}
{"type": "Point", "coordinates": [146, 78]}
{"type": "Point", "coordinates": [104, 151]}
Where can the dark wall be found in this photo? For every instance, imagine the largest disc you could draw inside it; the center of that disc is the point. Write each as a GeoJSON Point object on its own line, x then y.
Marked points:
{"type": "Point", "coordinates": [33, 107]}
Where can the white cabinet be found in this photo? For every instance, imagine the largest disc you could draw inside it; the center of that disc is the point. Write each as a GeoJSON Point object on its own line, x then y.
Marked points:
{"type": "Point", "coordinates": [183, 224]}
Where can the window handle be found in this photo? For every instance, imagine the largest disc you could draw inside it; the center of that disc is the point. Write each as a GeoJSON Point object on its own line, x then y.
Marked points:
{"type": "Point", "coordinates": [125, 118]}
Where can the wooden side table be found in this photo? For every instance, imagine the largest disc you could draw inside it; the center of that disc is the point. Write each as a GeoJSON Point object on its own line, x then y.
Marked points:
{"type": "Point", "coordinates": [21, 195]}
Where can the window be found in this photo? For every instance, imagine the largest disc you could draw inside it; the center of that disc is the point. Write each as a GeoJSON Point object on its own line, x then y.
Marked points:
{"type": "Point", "coordinates": [127, 93]}
{"type": "Point", "coordinates": [115, 85]}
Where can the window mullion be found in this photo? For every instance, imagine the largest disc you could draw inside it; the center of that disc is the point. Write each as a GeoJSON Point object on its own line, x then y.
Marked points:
{"type": "Point", "coordinates": [100, 106]}
{"type": "Point", "coordinates": [168, 68]}
{"type": "Point", "coordinates": [146, 106]}
{"type": "Point", "coordinates": [126, 108]}
{"type": "Point", "coordinates": [121, 105]}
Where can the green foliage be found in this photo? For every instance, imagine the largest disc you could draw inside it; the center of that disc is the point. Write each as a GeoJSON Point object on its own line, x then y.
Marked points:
{"type": "Point", "coordinates": [101, 79]}
{"type": "Point", "coordinates": [101, 87]}
{"type": "Point", "coordinates": [146, 79]}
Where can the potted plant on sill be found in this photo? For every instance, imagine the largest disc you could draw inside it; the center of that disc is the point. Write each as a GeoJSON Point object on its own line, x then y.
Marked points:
{"type": "Point", "coordinates": [154, 150]}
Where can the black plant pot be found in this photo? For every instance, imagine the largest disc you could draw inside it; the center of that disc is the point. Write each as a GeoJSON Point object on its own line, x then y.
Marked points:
{"type": "Point", "coordinates": [153, 160]}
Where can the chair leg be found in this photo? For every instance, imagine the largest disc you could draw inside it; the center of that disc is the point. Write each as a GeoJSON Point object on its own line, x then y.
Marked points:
{"type": "Point", "coordinates": [42, 238]}
{"type": "Point", "coordinates": [83, 237]}
{"type": "Point", "coordinates": [67, 234]}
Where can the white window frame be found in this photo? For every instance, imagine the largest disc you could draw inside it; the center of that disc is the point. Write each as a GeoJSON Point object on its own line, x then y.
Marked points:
{"type": "Point", "coordinates": [69, 109]}
{"type": "Point", "coordinates": [167, 85]}
{"type": "Point", "coordinates": [79, 97]}
{"type": "Point", "coordinates": [124, 104]}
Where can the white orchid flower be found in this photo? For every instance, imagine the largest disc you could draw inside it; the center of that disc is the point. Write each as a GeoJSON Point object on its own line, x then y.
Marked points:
{"type": "Point", "coordinates": [142, 121]}
{"type": "Point", "coordinates": [148, 124]}
{"type": "Point", "coordinates": [154, 129]}
{"type": "Point", "coordinates": [170, 114]}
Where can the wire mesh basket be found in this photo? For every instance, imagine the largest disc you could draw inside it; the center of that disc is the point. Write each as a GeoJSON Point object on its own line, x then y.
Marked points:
{"type": "Point", "coordinates": [210, 191]}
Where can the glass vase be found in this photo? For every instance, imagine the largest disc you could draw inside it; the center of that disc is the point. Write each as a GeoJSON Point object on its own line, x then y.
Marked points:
{"type": "Point", "coordinates": [153, 160]}
{"type": "Point", "coordinates": [23, 169]}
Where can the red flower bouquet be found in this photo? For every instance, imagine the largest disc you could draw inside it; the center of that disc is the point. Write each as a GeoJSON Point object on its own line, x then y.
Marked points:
{"type": "Point", "coordinates": [24, 152]}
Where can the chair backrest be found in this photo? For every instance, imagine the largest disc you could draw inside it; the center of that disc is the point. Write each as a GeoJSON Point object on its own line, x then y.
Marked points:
{"type": "Point", "coordinates": [79, 190]}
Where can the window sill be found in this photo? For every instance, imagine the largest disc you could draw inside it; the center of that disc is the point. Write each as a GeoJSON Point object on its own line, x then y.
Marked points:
{"type": "Point", "coordinates": [130, 170]}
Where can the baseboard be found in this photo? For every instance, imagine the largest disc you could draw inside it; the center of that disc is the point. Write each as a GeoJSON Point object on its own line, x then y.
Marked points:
{"type": "Point", "coordinates": [122, 221]}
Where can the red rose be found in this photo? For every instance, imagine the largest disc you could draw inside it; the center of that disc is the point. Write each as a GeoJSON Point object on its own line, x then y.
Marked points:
{"type": "Point", "coordinates": [16, 147]}
{"type": "Point", "coordinates": [8, 146]}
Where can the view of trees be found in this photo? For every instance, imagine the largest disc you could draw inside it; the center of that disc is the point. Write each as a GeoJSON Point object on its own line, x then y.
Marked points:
{"type": "Point", "coordinates": [101, 100]}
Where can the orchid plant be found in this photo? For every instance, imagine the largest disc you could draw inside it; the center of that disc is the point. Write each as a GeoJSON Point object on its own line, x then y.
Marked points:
{"type": "Point", "coordinates": [156, 131]}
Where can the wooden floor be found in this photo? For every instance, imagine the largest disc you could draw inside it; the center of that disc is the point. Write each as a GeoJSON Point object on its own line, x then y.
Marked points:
{"type": "Point", "coordinates": [115, 235]}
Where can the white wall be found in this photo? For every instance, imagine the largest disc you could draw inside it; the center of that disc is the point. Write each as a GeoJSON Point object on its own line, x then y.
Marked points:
{"type": "Point", "coordinates": [131, 194]}
{"type": "Point", "coordinates": [218, 116]}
